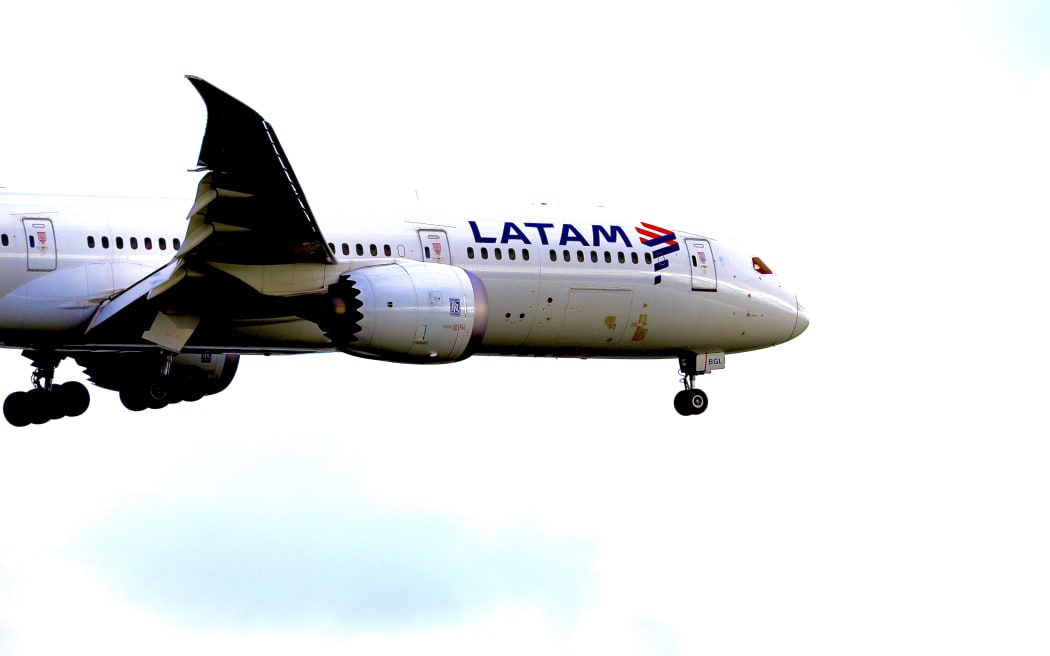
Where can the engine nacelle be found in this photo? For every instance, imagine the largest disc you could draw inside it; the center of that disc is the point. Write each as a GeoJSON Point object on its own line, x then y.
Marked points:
{"type": "Point", "coordinates": [407, 311]}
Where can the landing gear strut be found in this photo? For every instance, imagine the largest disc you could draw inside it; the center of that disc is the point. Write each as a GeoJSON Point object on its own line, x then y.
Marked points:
{"type": "Point", "coordinates": [45, 401]}
{"type": "Point", "coordinates": [691, 400]}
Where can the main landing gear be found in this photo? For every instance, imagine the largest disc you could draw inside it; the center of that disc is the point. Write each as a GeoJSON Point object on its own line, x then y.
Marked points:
{"type": "Point", "coordinates": [691, 400]}
{"type": "Point", "coordinates": [46, 401]}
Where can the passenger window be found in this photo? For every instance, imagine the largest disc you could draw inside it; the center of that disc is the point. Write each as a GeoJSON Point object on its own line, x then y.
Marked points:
{"type": "Point", "coordinates": [386, 250]}
{"type": "Point", "coordinates": [176, 243]}
{"type": "Point", "coordinates": [346, 248]}
{"type": "Point", "coordinates": [373, 250]}
{"type": "Point", "coordinates": [331, 247]}
{"type": "Point", "coordinates": [511, 254]}
{"type": "Point", "coordinates": [360, 249]}
{"type": "Point", "coordinates": [608, 257]}
{"type": "Point", "coordinates": [105, 242]}
{"type": "Point", "coordinates": [91, 241]}
{"type": "Point", "coordinates": [648, 258]}
{"type": "Point", "coordinates": [634, 258]}
{"type": "Point", "coordinates": [120, 243]}
{"type": "Point", "coordinates": [162, 243]}
{"type": "Point", "coordinates": [484, 253]}
{"type": "Point", "coordinates": [470, 252]}
{"type": "Point", "coordinates": [148, 243]}
{"type": "Point", "coordinates": [554, 254]}
{"type": "Point", "coordinates": [499, 253]}
{"type": "Point", "coordinates": [579, 256]}
{"type": "Point", "coordinates": [525, 255]}
{"type": "Point", "coordinates": [4, 240]}
{"type": "Point", "coordinates": [565, 255]}
{"type": "Point", "coordinates": [620, 257]}
{"type": "Point", "coordinates": [594, 256]}
{"type": "Point", "coordinates": [135, 243]}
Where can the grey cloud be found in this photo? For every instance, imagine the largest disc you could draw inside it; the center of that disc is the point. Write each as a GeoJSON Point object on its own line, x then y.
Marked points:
{"type": "Point", "coordinates": [360, 567]}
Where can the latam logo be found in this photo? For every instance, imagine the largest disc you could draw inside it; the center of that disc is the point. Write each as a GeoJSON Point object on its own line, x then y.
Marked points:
{"type": "Point", "coordinates": [664, 241]}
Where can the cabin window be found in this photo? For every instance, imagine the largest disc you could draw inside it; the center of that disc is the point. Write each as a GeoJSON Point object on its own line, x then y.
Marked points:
{"type": "Point", "coordinates": [554, 255]}
{"type": "Point", "coordinates": [386, 250]}
{"type": "Point", "coordinates": [162, 244]}
{"type": "Point", "coordinates": [594, 256]}
{"type": "Point", "coordinates": [373, 251]}
{"type": "Point", "coordinates": [511, 254]}
{"type": "Point", "coordinates": [579, 256]}
{"type": "Point", "coordinates": [565, 255]}
{"type": "Point", "coordinates": [760, 266]}
{"type": "Point", "coordinates": [470, 252]}
{"type": "Point", "coordinates": [4, 240]}
{"type": "Point", "coordinates": [360, 249]}
{"type": "Point", "coordinates": [525, 254]}
{"type": "Point", "coordinates": [648, 258]}
{"type": "Point", "coordinates": [484, 253]}
{"type": "Point", "coordinates": [620, 258]}
{"type": "Point", "coordinates": [91, 241]}
{"type": "Point", "coordinates": [120, 242]}
{"type": "Point", "coordinates": [176, 244]}
{"type": "Point", "coordinates": [105, 242]}
{"type": "Point", "coordinates": [135, 243]}
{"type": "Point", "coordinates": [608, 257]}
{"type": "Point", "coordinates": [634, 258]}
{"type": "Point", "coordinates": [331, 247]}
{"type": "Point", "coordinates": [147, 243]}
{"type": "Point", "coordinates": [346, 248]}
{"type": "Point", "coordinates": [499, 253]}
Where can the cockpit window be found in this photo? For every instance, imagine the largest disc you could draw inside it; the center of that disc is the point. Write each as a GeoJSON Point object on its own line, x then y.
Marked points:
{"type": "Point", "coordinates": [760, 266]}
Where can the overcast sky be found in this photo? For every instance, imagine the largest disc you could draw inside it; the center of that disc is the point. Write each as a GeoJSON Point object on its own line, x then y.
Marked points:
{"type": "Point", "coordinates": [877, 485]}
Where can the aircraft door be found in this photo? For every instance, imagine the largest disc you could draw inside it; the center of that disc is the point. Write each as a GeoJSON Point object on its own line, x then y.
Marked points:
{"type": "Point", "coordinates": [702, 265]}
{"type": "Point", "coordinates": [435, 246]}
{"type": "Point", "coordinates": [40, 244]}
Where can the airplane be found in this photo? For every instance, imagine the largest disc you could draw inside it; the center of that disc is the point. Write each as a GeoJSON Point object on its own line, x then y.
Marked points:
{"type": "Point", "coordinates": [157, 299]}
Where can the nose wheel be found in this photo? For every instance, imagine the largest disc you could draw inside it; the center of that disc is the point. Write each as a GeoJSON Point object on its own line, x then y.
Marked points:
{"type": "Point", "coordinates": [690, 402]}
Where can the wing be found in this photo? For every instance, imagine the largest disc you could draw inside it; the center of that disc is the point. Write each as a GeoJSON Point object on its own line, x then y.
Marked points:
{"type": "Point", "coordinates": [251, 205]}
{"type": "Point", "coordinates": [249, 212]}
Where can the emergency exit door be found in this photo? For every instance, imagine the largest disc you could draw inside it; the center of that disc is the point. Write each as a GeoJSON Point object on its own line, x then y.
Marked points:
{"type": "Point", "coordinates": [435, 246]}
{"type": "Point", "coordinates": [40, 244]}
{"type": "Point", "coordinates": [702, 265]}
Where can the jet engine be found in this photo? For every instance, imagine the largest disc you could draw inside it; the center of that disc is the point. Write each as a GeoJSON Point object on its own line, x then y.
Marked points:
{"type": "Point", "coordinates": [417, 312]}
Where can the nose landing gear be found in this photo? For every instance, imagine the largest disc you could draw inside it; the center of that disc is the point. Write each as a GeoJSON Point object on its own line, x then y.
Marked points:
{"type": "Point", "coordinates": [691, 400]}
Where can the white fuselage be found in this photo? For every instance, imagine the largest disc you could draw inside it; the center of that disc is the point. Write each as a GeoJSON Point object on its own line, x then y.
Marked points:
{"type": "Point", "coordinates": [586, 285]}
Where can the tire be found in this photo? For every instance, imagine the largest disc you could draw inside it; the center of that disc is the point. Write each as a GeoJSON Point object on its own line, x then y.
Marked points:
{"type": "Point", "coordinates": [74, 398]}
{"type": "Point", "coordinates": [16, 409]}
{"type": "Point", "coordinates": [683, 403]}
{"type": "Point", "coordinates": [133, 398]}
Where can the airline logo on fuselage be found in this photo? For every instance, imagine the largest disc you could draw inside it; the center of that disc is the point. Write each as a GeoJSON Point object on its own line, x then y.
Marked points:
{"type": "Point", "coordinates": [663, 241]}
{"type": "Point", "coordinates": [548, 233]}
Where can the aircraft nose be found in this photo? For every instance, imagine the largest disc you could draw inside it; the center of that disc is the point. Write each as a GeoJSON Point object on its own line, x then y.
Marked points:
{"type": "Point", "coordinates": [801, 320]}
